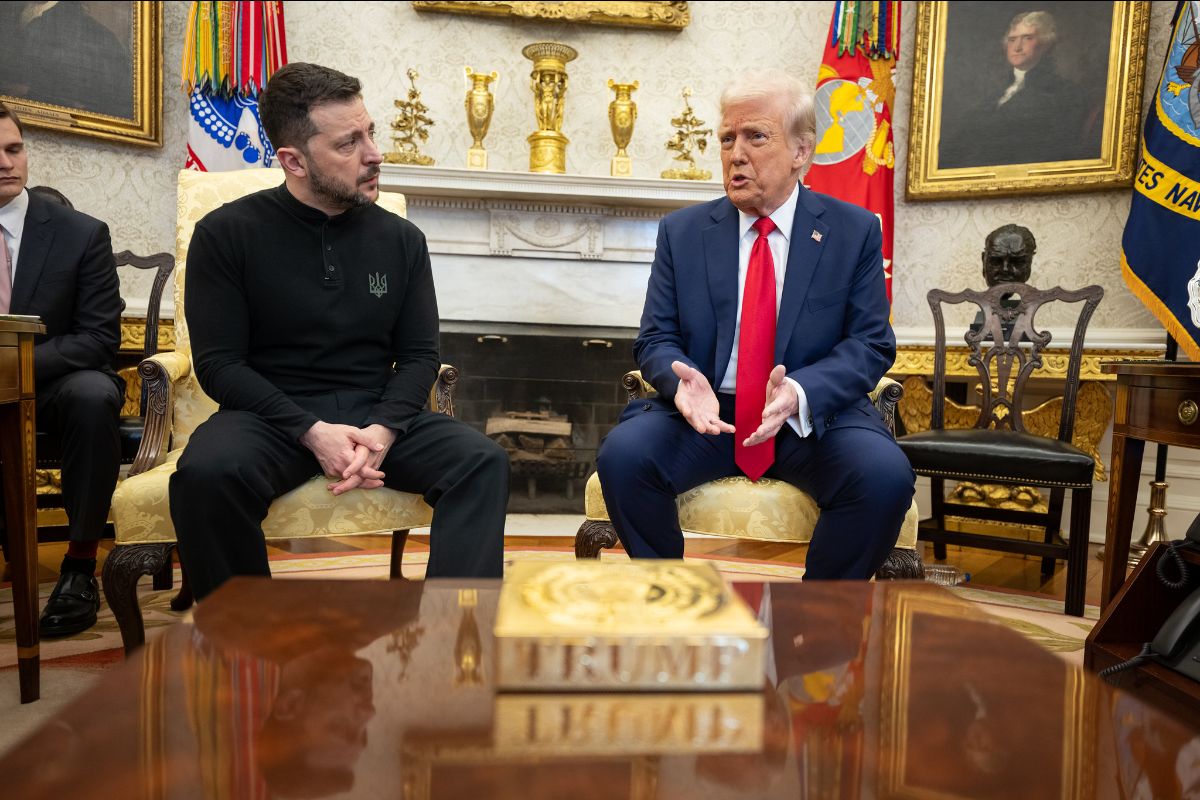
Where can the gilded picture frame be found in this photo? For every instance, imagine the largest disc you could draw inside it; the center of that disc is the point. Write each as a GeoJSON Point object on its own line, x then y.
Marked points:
{"type": "Point", "coordinates": [1060, 132]}
{"type": "Point", "coordinates": [663, 14]}
{"type": "Point", "coordinates": [93, 69]}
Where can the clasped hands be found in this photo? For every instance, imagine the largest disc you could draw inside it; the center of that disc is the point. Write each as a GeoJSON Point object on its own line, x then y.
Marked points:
{"type": "Point", "coordinates": [697, 401]}
{"type": "Point", "coordinates": [349, 456]}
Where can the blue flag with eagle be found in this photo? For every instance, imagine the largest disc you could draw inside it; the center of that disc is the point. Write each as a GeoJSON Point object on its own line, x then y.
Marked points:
{"type": "Point", "coordinates": [1160, 251]}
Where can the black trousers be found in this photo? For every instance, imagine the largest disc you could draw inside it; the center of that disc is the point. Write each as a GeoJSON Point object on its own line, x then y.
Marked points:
{"type": "Point", "coordinates": [83, 410]}
{"type": "Point", "coordinates": [236, 463]}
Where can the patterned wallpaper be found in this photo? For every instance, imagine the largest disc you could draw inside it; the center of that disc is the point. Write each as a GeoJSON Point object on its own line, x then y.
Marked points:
{"type": "Point", "coordinates": [938, 243]}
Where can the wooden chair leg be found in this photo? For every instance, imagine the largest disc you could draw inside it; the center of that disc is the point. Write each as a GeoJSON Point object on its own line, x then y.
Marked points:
{"type": "Point", "coordinates": [184, 600]}
{"type": "Point", "coordinates": [399, 539]}
{"type": "Point", "coordinates": [123, 567]}
{"type": "Point", "coordinates": [937, 504]}
{"type": "Point", "coordinates": [1081, 517]}
{"type": "Point", "coordinates": [165, 578]}
{"type": "Point", "coordinates": [902, 564]}
{"type": "Point", "coordinates": [592, 537]}
{"type": "Point", "coordinates": [1053, 526]}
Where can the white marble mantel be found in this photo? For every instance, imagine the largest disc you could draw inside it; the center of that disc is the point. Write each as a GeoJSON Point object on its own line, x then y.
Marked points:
{"type": "Point", "coordinates": [517, 247]}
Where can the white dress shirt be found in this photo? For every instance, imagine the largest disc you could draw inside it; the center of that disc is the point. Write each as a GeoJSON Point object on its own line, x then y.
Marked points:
{"type": "Point", "coordinates": [778, 240]}
{"type": "Point", "coordinates": [12, 220]}
{"type": "Point", "coordinates": [1016, 86]}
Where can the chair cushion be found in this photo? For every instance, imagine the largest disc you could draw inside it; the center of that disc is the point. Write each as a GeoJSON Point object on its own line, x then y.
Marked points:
{"type": "Point", "coordinates": [998, 457]}
{"type": "Point", "coordinates": [141, 509]}
{"type": "Point", "coordinates": [766, 511]}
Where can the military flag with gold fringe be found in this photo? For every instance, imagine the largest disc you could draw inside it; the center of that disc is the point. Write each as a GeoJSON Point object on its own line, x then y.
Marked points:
{"type": "Point", "coordinates": [1160, 250]}
{"type": "Point", "coordinates": [854, 159]}
{"type": "Point", "coordinates": [231, 51]}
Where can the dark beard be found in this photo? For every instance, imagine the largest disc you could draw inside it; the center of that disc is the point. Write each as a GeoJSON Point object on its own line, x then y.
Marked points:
{"type": "Point", "coordinates": [336, 194]}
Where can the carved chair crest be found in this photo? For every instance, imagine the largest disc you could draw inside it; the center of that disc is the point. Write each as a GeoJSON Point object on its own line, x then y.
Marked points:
{"type": "Point", "coordinates": [1006, 349]}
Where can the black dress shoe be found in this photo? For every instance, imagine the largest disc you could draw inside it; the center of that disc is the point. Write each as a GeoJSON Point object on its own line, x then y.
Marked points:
{"type": "Point", "coordinates": [72, 606]}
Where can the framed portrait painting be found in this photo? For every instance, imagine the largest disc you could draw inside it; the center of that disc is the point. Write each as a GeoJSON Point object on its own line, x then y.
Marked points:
{"type": "Point", "coordinates": [92, 68]}
{"type": "Point", "coordinates": [1014, 98]}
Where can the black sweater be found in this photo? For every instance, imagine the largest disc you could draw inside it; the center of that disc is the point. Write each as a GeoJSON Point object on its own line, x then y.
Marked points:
{"type": "Point", "coordinates": [285, 304]}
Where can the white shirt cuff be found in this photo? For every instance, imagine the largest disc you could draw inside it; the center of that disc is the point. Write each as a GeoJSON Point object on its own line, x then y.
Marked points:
{"type": "Point", "coordinates": [802, 421]}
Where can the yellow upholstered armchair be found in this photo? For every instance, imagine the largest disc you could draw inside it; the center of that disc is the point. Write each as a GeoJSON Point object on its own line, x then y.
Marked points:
{"type": "Point", "coordinates": [738, 508]}
{"type": "Point", "coordinates": [176, 405]}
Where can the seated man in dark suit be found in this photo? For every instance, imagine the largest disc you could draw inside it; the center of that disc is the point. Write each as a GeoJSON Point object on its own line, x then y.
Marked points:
{"type": "Point", "coordinates": [57, 264]}
{"type": "Point", "coordinates": [764, 329]}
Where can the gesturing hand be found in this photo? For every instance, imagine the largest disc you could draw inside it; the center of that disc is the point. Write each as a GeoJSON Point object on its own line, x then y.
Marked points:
{"type": "Point", "coordinates": [697, 401]}
{"type": "Point", "coordinates": [782, 402]}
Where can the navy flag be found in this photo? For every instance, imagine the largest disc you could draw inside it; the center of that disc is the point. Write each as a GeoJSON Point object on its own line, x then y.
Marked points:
{"type": "Point", "coordinates": [1160, 251]}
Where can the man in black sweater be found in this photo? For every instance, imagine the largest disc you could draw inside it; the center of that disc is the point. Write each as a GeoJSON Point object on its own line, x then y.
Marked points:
{"type": "Point", "coordinates": [314, 325]}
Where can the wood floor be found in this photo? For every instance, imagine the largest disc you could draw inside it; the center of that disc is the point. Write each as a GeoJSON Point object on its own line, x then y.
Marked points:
{"type": "Point", "coordinates": [986, 568]}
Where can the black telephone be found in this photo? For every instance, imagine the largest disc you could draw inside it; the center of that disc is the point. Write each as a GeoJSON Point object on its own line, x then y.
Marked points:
{"type": "Point", "coordinates": [1177, 643]}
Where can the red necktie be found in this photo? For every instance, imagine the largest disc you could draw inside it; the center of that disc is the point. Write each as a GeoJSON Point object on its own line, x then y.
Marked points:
{"type": "Point", "coordinates": [756, 352]}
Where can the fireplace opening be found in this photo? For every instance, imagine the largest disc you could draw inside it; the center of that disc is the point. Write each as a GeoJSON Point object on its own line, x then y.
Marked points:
{"type": "Point", "coordinates": [547, 394]}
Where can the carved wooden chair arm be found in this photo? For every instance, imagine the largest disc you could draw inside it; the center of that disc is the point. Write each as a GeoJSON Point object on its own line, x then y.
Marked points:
{"type": "Point", "coordinates": [441, 396]}
{"type": "Point", "coordinates": [159, 373]}
{"type": "Point", "coordinates": [886, 396]}
{"type": "Point", "coordinates": [637, 386]}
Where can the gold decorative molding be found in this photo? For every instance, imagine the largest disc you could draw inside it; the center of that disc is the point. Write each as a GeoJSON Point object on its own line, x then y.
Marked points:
{"type": "Point", "coordinates": [133, 334]}
{"type": "Point", "coordinates": [918, 360]}
{"type": "Point", "coordinates": [668, 14]}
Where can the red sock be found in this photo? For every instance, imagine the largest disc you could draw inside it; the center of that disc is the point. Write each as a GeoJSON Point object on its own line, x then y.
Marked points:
{"type": "Point", "coordinates": [83, 550]}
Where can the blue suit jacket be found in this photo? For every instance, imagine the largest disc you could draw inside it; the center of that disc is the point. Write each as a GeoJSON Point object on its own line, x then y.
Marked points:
{"type": "Point", "coordinates": [833, 333]}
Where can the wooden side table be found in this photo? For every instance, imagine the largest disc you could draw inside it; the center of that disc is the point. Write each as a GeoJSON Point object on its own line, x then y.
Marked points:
{"type": "Point", "coordinates": [20, 506]}
{"type": "Point", "coordinates": [1157, 401]}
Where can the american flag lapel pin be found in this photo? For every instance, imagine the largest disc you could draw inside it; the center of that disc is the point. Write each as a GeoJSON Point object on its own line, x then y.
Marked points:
{"type": "Point", "coordinates": [816, 235]}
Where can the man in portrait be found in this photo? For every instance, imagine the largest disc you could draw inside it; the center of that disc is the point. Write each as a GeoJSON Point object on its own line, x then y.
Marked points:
{"type": "Point", "coordinates": [765, 327]}
{"type": "Point", "coordinates": [57, 264]}
{"type": "Point", "coordinates": [63, 54]}
{"type": "Point", "coordinates": [1027, 113]}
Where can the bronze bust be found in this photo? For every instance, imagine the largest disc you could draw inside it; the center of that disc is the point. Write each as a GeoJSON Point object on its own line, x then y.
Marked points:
{"type": "Point", "coordinates": [1008, 255]}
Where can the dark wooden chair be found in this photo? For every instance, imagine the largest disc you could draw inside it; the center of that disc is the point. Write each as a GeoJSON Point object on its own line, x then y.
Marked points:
{"type": "Point", "coordinates": [1006, 349]}
{"type": "Point", "coordinates": [49, 454]}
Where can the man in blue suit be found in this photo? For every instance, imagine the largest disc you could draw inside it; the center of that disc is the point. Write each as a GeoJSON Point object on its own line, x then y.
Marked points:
{"type": "Point", "coordinates": [765, 327]}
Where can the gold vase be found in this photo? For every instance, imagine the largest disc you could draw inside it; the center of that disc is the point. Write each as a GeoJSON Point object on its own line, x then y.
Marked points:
{"type": "Point", "coordinates": [622, 113]}
{"type": "Point", "coordinates": [479, 105]}
{"type": "Point", "coordinates": [548, 80]}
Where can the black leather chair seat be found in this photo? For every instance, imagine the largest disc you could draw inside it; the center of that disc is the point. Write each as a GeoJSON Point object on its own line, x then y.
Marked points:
{"type": "Point", "coordinates": [998, 456]}
{"type": "Point", "coordinates": [49, 454]}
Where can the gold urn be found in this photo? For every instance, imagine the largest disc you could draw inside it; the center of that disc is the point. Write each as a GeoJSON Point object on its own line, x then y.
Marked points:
{"type": "Point", "coordinates": [548, 80]}
{"type": "Point", "coordinates": [479, 105]}
{"type": "Point", "coordinates": [622, 113]}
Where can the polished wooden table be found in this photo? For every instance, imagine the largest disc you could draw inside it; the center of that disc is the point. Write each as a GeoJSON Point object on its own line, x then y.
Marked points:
{"type": "Point", "coordinates": [20, 505]}
{"type": "Point", "coordinates": [1157, 401]}
{"type": "Point", "coordinates": [384, 689]}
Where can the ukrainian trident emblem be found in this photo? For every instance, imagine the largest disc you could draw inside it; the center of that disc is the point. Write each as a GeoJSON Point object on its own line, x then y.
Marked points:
{"type": "Point", "coordinates": [377, 284]}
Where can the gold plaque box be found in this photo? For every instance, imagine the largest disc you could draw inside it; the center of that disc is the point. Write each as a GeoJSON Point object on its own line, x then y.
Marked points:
{"type": "Point", "coordinates": [628, 626]}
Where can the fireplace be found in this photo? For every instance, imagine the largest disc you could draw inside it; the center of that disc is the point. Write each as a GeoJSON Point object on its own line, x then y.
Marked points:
{"type": "Point", "coordinates": [540, 282]}
{"type": "Point", "coordinates": [548, 394]}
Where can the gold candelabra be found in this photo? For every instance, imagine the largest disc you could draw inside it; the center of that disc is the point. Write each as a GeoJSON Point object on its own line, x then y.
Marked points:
{"type": "Point", "coordinates": [411, 124]}
{"type": "Point", "coordinates": [622, 113]}
{"type": "Point", "coordinates": [548, 80]}
{"type": "Point", "coordinates": [479, 105]}
{"type": "Point", "coordinates": [689, 136]}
